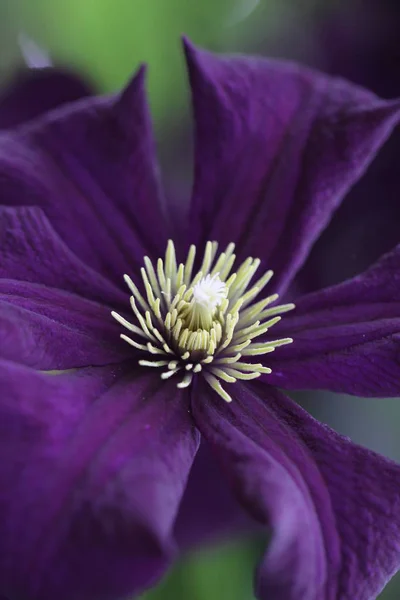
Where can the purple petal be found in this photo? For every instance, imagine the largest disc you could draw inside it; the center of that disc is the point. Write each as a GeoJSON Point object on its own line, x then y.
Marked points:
{"type": "Point", "coordinates": [346, 337]}
{"type": "Point", "coordinates": [49, 329]}
{"type": "Point", "coordinates": [333, 508]}
{"type": "Point", "coordinates": [96, 463]}
{"type": "Point", "coordinates": [91, 167]}
{"type": "Point", "coordinates": [31, 251]}
{"type": "Point", "coordinates": [277, 148]}
{"type": "Point", "coordinates": [45, 320]}
{"type": "Point", "coordinates": [36, 91]}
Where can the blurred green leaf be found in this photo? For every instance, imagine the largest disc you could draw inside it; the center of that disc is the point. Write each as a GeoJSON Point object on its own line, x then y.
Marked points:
{"type": "Point", "coordinates": [108, 39]}
{"type": "Point", "coordinates": [222, 573]}
{"type": "Point", "coordinates": [392, 590]}
{"type": "Point", "coordinates": [9, 50]}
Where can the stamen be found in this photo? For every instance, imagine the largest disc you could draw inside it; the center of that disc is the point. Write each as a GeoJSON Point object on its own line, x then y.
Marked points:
{"type": "Point", "coordinates": [202, 323]}
{"type": "Point", "coordinates": [186, 381]}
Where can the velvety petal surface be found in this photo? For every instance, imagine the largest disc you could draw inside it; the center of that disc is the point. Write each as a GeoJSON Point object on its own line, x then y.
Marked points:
{"type": "Point", "coordinates": [346, 337]}
{"type": "Point", "coordinates": [55, 312]}
{"type": "Point", "coordinates": [32, 251]}
{"type": "Point", "coordinates": [331, 507]}
{"type": "Point", "coordinates": [49, 329]}
{"type": "Point", "coordinates": [91, 167]}
{"type": "Point", "coordinates": [277, 146]}
{"type": "Point", "coordinates": [93, 468]}
{"type": "Point", "coordinates": [35, 91]}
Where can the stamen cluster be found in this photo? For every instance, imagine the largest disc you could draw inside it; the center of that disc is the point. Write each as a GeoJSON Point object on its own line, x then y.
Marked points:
{"type": "Point", "coordinates": [206, 323]}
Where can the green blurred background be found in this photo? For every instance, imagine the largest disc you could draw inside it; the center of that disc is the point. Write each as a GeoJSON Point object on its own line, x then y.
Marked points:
{"type": "Point", "coordinates": [104, 41]}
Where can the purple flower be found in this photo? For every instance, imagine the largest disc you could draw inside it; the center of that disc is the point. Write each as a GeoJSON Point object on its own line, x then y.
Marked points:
{"type": "Point", "coordinates": [98, 451]}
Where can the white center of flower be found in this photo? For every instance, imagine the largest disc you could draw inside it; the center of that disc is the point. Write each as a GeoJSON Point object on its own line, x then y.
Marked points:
{"type": "Point", "coordinates": [209, 292]}
{"type": "Point", "coordinates": [206, 323]}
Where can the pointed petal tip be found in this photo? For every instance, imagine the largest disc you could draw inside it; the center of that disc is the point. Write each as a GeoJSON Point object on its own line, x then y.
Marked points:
{"type": "Point", "coordinates": [192, 52]}
{"type": "Point", "coordinates": [393, 109]}
{"type": "Point", "coordinates": [141, 73]}
{"type": "Point", "coordinates": [188, 46]}
{"type": "Point", "coordinates": [137, 81]}
{"type": "Point", "coordinates": [132, 98]}
{"type": "Point", "coordinates": [135, 85]}
{"type": "Point", "coordinates": [383, 111]}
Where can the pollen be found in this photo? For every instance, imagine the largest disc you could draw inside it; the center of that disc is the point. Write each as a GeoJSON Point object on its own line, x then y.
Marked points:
{"type": "Point", "coordinates": [207, 323]}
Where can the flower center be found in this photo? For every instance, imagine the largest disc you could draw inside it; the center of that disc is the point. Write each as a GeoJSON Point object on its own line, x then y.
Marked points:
{"type": "Point", "coordinates": [202, 324]}
{"type": "Point", "coordinates": [208, 294]}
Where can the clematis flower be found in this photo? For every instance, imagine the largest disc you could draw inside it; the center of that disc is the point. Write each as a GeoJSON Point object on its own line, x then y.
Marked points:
{"type": "Point", "coordinates": [100, 435]}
